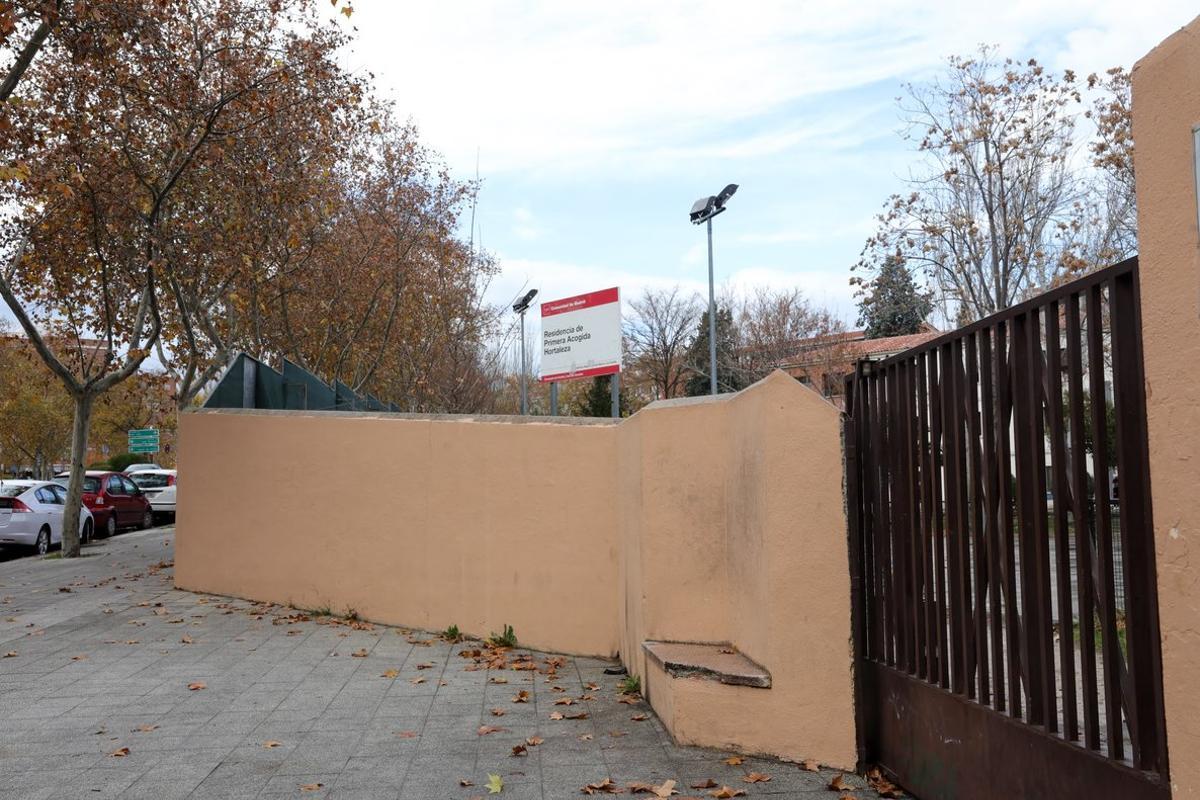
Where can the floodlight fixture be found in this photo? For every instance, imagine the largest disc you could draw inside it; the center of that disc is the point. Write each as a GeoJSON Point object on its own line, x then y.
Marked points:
{"type": "Point", "coordinates": [523, 304]}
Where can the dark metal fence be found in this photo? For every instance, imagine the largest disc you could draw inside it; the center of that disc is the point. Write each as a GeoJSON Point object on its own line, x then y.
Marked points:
{"type": "Point", "coordinates": [999, 499]}
{"type": "Point", "coordinates": [250, 383]}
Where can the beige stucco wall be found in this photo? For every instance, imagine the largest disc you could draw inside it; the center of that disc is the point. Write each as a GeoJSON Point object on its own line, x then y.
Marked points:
{"type": "Point", "coordinates": [425, 522]}
{"type": "Point", "coordinates": [711, 520]}
{"type": "Point", "coordinates": [765, 569]}
{"type": "Point", "coordinates": [1166, 107]}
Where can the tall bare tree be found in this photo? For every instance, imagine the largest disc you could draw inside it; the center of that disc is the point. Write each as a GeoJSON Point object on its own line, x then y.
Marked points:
{"type": "Point", "coordinates": [658, 331]}
{"type": "Point", "coordinates": [783, 329]}
{"type": "Point", "coordinates": [991, 212]}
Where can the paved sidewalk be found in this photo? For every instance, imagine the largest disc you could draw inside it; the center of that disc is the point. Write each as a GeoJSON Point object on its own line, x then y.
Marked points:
{"type": "Point", "coordinates": [113, 684]}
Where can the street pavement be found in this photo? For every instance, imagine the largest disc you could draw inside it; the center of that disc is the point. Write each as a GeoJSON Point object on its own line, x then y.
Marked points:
{"type": "Point", "coordinates": [114, 684]}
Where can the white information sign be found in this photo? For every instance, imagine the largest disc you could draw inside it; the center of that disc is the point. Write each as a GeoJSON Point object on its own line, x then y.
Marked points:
{"type": "Point", "coordinates": [581, 336]}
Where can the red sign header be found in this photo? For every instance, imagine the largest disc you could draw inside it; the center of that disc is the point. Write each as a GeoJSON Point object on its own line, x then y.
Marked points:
{"type": "Point", "coordinates": [602, 297]}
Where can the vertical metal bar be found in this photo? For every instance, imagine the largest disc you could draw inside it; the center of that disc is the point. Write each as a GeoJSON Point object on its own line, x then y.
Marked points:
{"type": "Point", "coordinates": [1137, 528]}
{"type": "Point", "coordinates": [937, 477]}
{"type": "Point", "coordinates": [851, 433]}
{"type": "Point", "coordinates": [914, 517]}
{"type": "Point", "coordinates": [712, 318]}
{"type": "Point", "coordinates": [991, 501]}
{"type": "Point", "coordinates": [615, 384]}
{"type": "Point", "coordinates": [554, 398]}
{"type": "Point", "coordinates": [1041, 541]}
{"type": "Point", "coordinates": [955, 507]}
{"type": "Point", "coordinates": [1109, 645]}
{"type": "Point", "coordinates": [1004, 425]}
{"type": "Point", "coordinates": [1084, 561]}
{"type": "Point", "coordinates": [962, 523]}
{"type": "Point", "coordinates": [885, 564]}
{"type": "Point", "coordinates": [928, 633]}
{"type": "Point", "coordinates": [1031, 657]}
{"type": "Point", "coordinates": [979, 573]}
{"type": "Point", "coordinates": [867, 458]}
{"type": "Point", "coordinates": [1062, 540]}
{"type": "Point", "coordinates": [897, 522]}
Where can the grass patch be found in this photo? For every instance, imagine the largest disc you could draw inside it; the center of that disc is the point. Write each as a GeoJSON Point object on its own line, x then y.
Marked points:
{"type": "Point", "coordinates": [452, 634]}
{"type": "Point", "coordinates": [630, 684]}
{"type": "Point", "coordinates": [1099, 637]}
{"type": "Point", "coordinates": [506, 639]}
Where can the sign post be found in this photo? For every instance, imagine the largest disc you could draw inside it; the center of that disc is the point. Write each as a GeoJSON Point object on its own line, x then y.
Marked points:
{"type": "Point", "coordinates": [144, 440]}
{"type": "Point", "coordinates": [581, 338]}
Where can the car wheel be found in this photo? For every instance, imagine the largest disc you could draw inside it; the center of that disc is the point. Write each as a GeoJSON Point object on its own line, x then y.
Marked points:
{"type": "Point", "coordinates": [147, 520]}
{"type": "Point", "coordinates": [110, 527]}
{"type": "Point", "coordinates": [43, 541]}
{"type": "Point", "coordinates": [87, 532]}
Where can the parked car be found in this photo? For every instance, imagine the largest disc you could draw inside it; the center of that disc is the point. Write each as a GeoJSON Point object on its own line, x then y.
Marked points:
{"type": "Point", "coordinates": [159, 487]}
{"type": "Point", "coordinates": [132, 468]}
{"type": "Point", "coordinates": [114, 500]}
{"type": "Point", "coordinates": [31, 515]}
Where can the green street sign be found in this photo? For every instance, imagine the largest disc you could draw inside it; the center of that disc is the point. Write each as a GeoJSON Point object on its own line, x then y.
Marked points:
{"type": "Point", "coordinates": [144, 440]}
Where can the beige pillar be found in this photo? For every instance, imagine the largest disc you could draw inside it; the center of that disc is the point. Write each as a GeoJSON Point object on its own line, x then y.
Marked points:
{"type": "Point", "coordinates": [1166, 109]}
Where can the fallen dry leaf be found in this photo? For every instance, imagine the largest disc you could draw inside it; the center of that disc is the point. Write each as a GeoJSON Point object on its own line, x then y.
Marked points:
{"type": "Point", "coordinates": [639, 718]}
{"type": "Point", "coordinates": [271, 745]}
{"type": "Point", "coordinates": [839, 784]}
{"type": "Point", "coordinates": [416, 680]}
{"type": "Point", "coordinates": [359, 653]}
{"type": "Point", "coordinates": [11, 654]}
{"type": "Point", "coordinates": [580, 715]}
{"type": "Point", "coordinates": [521, 697]}
{"type": "Point", "coordinates": [556, 715]}
{"type": "Point", "coordinates": [726, 791]}
{"type": "Point", "coordinates": [494, 785]}
{"type": "Point", "coordinates": [79, 658]}
{"type": "Point", "coordinates": [705, 784]}
{"type": "Point", "coordinates": [465, 782]}
{"type": "Point", "coordinates": [197, 685]}
{"type": "Point", "coordinates": [186, 639]}
{"type": "Point", "coordinates": [311, 787]}
{"type": "Point", "coordinates": [497, 679]}
{"type": "Point", "coordinates": [484, 730]}
{"type": "Point", "coordinates": [534, 741]}
{"type": "Point", "coordinates": [407, 734]}
{"type": "Point", "coordinates": [390, 673]}
{"type": "Point", "coordinates": [756, 777]}
{"type": "Point", "coordinates": [810, 765]}
{"type": "Point", "coordinates": [498, 712]}
{"type": "Point", "coordinates": [734, 761]}
{"type": "Point", "coordinates": [565, 701]}
{"type": "Point", "coordinates": [426, 665]}
{"type": "Point", "coordinates": [144, 729]}
{"type": "Point", "coordinates": [120, 752]}
{"type": "Point", "coordinates": [586, 737]}
{"type": "Point", "coordinates": [591, 687]}
{"type": "Point", "coordinates": [605, 786]}
{"type": "Point", "coordinates": [519, 750]}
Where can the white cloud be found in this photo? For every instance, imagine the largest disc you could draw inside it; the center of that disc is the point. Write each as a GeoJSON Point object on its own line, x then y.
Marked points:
{"type": "Point", "coordinates": [525, 225]}
{"type": "Point", "coordinates": [551, 85]}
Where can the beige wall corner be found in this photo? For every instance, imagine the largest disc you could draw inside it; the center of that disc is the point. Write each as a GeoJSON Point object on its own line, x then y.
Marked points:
{"type": "Point", "coordinates": [765, 569]}
{"type": "Point", "coordinates": [1166, 109]}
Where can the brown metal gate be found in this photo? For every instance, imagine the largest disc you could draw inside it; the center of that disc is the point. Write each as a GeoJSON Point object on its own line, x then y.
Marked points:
{"type": "Point", "coordinates": [1006, 616]}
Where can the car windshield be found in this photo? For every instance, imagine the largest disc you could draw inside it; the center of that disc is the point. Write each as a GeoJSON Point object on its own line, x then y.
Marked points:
{"type": "Point", "coordinates": [149, 481]}
{"type": "Point", "coordinates": [91, 484]}
{"type": "Point", "coordinates": [12, 491]}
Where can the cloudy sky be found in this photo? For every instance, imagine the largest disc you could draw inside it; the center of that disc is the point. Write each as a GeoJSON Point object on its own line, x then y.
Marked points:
{"type": "Point", "coordinates": [596, 125]}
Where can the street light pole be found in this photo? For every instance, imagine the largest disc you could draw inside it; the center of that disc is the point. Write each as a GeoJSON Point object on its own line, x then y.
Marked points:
{"type": "Point", "coordinates": [712, 318]}
{"type": "Point", "coordinates": [521, 306]}
{"type": "Point", "coordinates": [524, 395]}
{"type": "Point", "coordinates": [703, 210]}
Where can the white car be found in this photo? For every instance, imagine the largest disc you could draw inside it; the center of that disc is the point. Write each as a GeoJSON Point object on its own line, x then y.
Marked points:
{"type": "Point", "coordinates": [31, 515]}
{"type": "Point", "coordinates": [132, 468]}
{"type": "Point", "coordinates": [159, 487]}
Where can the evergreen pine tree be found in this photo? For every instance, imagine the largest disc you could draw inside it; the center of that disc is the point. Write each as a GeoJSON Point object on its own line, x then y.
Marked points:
{"type": "Point", "coordinates": [894, 304]}
{"type": "Point", "coordinates": [729, 375]}
{"type": "Point", "coordinates": [597, 401]}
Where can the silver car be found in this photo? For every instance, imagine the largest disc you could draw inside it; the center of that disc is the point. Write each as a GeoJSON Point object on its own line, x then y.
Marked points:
{"type": "Point", "coordinates": [31, 515]}
{"type": "Point", "coordinates": [159, 486]}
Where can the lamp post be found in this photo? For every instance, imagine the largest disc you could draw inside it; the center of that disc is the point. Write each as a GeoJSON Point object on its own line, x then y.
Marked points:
{"type": "Point", "coordinates": [703, 210]}
{"type": "Point", "coordinates": [521, 306]}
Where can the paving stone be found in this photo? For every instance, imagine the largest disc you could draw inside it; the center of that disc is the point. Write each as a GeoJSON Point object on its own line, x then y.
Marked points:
{"type": "Point", "coordinates": [337, 720]}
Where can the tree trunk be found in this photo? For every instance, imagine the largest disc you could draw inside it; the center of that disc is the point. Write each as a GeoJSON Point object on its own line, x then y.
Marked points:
{"type": "Point", "coordinates": [79, 439]}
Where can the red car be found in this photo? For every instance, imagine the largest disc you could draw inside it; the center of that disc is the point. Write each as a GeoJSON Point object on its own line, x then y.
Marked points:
{"type": "Point", "coordinates": [114, 500]}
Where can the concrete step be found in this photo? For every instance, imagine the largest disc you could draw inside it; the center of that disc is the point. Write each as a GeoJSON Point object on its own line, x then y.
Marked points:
{"type": "Point", "coordinates": [720, 662]}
